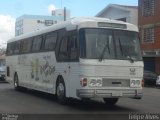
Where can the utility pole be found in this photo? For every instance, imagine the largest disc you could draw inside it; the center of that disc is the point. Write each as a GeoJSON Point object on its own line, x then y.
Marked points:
{"type": "Point", "coordinates": [64, 13]}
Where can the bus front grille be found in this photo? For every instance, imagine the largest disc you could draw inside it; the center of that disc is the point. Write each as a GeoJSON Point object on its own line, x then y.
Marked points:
{"type": "Point", "coordinates": [115, 82]}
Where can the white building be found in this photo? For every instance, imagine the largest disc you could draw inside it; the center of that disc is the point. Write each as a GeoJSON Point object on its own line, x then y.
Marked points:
{"type": "Point", "coordinates": [29, 23]}
{"type": "Point", "coordinates": [120, 12]}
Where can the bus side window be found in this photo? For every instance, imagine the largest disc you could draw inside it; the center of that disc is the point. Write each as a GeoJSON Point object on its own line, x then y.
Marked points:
{"type": "Point", "coordinates": [36, 45]}
{"type": "Point", "coordinates": [8, 48]}
{"type": "Point", "coordinates": [17, 47]}
{"type": "Point", "coordinates": [26, 45]}
{"type": "Point", "coordinates": [50, 41]}
{"type": "Point", "coordinates": [63, 50]}
{"type": "Point", "coordinates": [73, 48]}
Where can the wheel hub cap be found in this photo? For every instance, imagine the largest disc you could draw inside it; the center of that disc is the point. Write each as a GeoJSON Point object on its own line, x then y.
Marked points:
{"type": "Point", "coordinates": [60, 90]}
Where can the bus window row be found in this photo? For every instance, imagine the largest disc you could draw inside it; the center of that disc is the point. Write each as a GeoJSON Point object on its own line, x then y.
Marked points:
{"type": "Point", "coordinates": [33, 44]}
{"type": "Point", "coordinates": [63, 43]}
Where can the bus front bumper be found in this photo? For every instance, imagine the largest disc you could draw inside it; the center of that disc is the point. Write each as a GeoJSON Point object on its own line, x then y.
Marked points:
{"type": "Point", "coordinates": [109, 93]}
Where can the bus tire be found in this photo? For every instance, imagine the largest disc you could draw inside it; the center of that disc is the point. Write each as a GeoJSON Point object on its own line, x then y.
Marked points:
{"type": "Point", "coordinates": [16, 82]}
{"type": "Point", "coordinates": [61, 91]}
{"type": "Point", "coordinates": [110, 101]}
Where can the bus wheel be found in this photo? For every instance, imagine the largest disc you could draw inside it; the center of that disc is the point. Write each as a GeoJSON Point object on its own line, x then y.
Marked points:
{"type": "Point", "coordinates": [110, 101]}
{"type": "Point", "coordinates": [61, 92]}
{"type": "Point", "coordinates": [16, 83]}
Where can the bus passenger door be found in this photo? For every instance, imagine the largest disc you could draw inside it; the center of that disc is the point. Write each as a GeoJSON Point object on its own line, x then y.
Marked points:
{"type": "Point", "coordinates": [67, 57]}
{"type": "Point", "coordinates": [62, 55]}
{"type": "Point", "coordinates": [73, 73]}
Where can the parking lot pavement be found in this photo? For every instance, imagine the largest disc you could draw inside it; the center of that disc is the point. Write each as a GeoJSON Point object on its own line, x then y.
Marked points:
{"type": "Point", "coordinates": [33, 102]}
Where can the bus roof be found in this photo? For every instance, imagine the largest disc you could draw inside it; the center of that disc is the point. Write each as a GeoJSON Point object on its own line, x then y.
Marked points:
{"type": "Point", "coordinates": [74, 23]}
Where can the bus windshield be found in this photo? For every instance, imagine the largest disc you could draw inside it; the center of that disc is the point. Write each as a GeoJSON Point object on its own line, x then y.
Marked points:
{"type": "Point", "coordinates": [109, 44]}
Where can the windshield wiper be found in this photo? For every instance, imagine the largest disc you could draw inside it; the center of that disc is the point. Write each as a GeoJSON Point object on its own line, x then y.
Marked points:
{"type": "Point", "coordinates": [120, 46]}
{"type": "Point", "coordinates": [130, 58]}
{"type": "Point", "coordinates": [104, 49]}
{"type": "Point", "coordinates": [124, 53]}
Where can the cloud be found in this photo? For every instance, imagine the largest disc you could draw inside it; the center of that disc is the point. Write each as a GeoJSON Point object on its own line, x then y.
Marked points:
{"type": "Point", "coordinates": [7, 29]}
{"type": "Point", "coordinates": [51, 7]}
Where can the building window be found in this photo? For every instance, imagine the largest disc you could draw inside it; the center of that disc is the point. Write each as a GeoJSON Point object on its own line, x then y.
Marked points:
{"type": "Point", "coordinates": [18, 32]}
{"type": "Point", "coordinates": [148, 7]}
{"type": "Point", "coordinates": [19, 24]}
{"type": "Point", "coordinates": [148, 35]}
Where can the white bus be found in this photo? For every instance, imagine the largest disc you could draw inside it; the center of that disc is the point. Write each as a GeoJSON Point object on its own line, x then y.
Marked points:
{"type": "Point", "coordinates": [79, 58]}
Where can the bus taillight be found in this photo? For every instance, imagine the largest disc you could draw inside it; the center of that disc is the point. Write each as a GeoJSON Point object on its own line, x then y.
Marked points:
{"type": "Point", "coordinates": [83, 82]}
{"type": "Point", "coordinates": [142, 83]}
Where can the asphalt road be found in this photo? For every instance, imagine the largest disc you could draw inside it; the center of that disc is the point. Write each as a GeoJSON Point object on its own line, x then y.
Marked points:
{"type": "Point", "coordinates": [32, 102]}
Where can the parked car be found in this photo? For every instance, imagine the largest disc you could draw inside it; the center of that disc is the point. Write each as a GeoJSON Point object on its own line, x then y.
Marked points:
{"type": "Point", "coordinates": [158, 81]}
{"type": "Point", "coordinates": [150, 78]}
{"type": "Point", "coordinates": [2, 69]}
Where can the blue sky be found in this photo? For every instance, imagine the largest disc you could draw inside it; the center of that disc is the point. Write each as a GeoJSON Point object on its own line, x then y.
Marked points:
{"type": "Point", "coordinates": [78, 8]}
{"type": "Point", "coordinates": [11, 9]}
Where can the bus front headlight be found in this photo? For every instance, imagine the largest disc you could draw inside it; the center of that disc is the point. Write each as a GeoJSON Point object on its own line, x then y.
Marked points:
{"type": "Point", "coordinates": [99, 82]}
{"type": "Point", "coordinates": [92, 82]}
{"type": "Point", "coordinates": [135, 83]}
{"type": "Point", "coordinates": [95, 83]}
